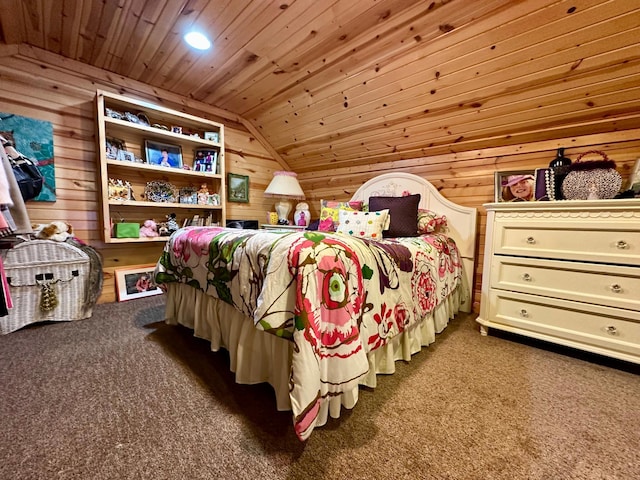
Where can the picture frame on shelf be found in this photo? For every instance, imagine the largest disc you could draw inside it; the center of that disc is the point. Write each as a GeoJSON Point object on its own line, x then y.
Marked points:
{"type": "Point", "coordinates": [188, 195]}
{"type": "Point", "coordinates": [212, 136]}
{"type": "Point", "coordinates": [163, 154]}
{"type": "Point", "coordinates": [237, 188]}
{"type": "Point", "coordinates": [213, 199]}
{"type": "Point", "coordinates": [634, 178]}
{"type": "Point", "coordinates": [176, 129]}
{"type": "Point", "coordinates": [205, 160]}
{"type": "Point", "coordinates": [135, 282]}
{"type": "Point", "coordinates": [515, 186]}
{"type": "Point", "coordinates": [113, 147]}
{"type": "Point", "coordinates": [126, 156]}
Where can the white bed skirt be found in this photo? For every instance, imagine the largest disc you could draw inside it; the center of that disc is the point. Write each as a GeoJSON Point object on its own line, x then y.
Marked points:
{"type": "Point", "coordinates": [258, 357]}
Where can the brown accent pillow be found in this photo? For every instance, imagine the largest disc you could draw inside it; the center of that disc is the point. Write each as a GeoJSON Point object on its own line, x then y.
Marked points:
{"type": "Point", "coordinates": [403, 212]}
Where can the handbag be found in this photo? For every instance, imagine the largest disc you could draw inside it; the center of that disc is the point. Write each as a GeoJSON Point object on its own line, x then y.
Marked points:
{"type": "Point", "coordinates": [29, 178]}
{"type": "Point", "coordinates": [549, 183]}
{"type": "Point", "coordinates": [592, 180]}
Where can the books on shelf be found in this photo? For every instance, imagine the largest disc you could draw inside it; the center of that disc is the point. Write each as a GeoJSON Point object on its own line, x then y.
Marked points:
{"type": "Point", "coordinates": [198, 221]}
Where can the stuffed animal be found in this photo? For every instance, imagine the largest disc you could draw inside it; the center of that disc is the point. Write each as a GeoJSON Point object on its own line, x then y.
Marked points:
{"type": "Point", "coordinates": [57, 231]}
{"type": "Point", "coordinates": [149, 229]}
{"type": "Point", "coordinates": [172, 224]}
{"type": "Point", "coordinates": [163, 231]}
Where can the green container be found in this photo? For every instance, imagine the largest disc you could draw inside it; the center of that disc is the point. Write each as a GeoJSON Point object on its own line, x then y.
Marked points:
{"type": "Point", "coordinates": [127, 230]}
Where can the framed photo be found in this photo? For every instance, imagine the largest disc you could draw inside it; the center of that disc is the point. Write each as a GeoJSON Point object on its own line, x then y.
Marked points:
{"type": "Point", "coordinates": [126, 156]}
{"type": "Point", "coordinates": [237, 188]}
{"type": "Point", "coordinates": [176, 129]}
{"type": "Point", "coordinates": [189, 195]}
{"type": "Point", "coordinates": [515, 186]}
{"type": "Point", "coordinates": [163, 154]}
{"type": "Point", "coordinates": [212, 136]}
{"type": "Point", "coordinates": [205, 160]}
{"type": "Point", "coordinates": [135, 282]}
{"type": "Point", "coordinates": [113, 147]}
{"type": "Point", "coordinates": [634, 178]}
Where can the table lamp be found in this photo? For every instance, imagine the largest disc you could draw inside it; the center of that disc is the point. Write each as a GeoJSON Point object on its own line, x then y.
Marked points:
{"type": "Point", "coordinates": [285, 187]}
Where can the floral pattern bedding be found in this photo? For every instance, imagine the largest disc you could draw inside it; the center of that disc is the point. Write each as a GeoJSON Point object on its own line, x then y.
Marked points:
{"type": "Point", "coordinates": [336, 297]}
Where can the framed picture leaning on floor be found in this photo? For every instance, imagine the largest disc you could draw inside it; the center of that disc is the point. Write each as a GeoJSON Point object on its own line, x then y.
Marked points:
{"type": "Point", "coordinates": [135, 282]}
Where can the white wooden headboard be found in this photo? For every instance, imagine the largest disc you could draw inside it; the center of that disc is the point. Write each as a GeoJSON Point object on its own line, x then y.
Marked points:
{"type": "Point", "coordinates": [462, 221]}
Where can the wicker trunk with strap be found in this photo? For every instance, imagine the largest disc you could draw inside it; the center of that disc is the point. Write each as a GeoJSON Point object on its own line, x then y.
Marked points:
{"type": "Point", "coordinates": [47, 282]}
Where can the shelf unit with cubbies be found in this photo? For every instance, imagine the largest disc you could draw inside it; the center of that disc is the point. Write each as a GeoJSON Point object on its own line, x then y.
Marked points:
{"type": "Point", "coordinates": [130, 131]}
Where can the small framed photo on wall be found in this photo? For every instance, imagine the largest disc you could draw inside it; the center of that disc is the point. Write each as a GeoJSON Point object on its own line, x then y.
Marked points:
{"type": "Point", "coordinates": [514, 186]}
{"type": "Point", "coordinates": [237, 188]}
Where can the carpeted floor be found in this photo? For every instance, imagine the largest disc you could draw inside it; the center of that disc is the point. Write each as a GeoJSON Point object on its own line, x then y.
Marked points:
{"type": "Point", "coordinates": [124, 396]}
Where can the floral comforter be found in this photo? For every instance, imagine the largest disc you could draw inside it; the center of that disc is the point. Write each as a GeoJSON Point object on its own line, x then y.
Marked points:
{"type": "Point", "coordinates": [336, 297]}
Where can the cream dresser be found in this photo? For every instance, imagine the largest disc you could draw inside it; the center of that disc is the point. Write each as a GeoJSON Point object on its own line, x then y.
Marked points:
{"type": "Point", "coordinates": [566, 272]}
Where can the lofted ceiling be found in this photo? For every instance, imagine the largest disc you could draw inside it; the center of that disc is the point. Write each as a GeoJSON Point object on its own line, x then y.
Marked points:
{"type": "Point", "coordinates": [342, 83]}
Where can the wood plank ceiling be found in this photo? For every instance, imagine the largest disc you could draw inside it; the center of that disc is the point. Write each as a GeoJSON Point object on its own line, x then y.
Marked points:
{"type": "Point", "coordinates": [342, 83]}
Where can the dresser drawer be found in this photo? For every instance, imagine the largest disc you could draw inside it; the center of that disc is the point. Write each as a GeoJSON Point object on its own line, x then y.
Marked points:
{"type": "Point", "coordinates": [610, 285]}
{"type": "Point", "coordinates": [589, 325]}
{"type": "Point", "coordinates": [570, 240]}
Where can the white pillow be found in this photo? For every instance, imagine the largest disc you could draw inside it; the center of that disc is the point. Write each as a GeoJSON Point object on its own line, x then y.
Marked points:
{"type": "Point", "coordinates": [363, 224]}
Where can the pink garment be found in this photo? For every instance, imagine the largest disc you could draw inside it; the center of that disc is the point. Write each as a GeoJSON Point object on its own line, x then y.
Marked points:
{"type": "Point", "coordinates": [5, 286]}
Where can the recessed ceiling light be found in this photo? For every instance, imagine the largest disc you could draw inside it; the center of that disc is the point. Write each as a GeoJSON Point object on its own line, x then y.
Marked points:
{"type": "Point", "coordinates": [197, 40]}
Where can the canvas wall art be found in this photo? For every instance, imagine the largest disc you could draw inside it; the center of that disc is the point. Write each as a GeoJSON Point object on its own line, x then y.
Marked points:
{"type": "Point", "coordinates": [33, 139]}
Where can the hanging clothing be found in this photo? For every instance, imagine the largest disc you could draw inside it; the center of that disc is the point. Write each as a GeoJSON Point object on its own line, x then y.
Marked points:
{"type": "Point", "coordinates": [5, 297]}
{"type": "Point", "coordinates": [14, 219]}
{"type": "Point", "coordinates": [17, 210]}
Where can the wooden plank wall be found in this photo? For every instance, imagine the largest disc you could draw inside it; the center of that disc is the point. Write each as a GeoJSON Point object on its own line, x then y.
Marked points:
{"type": "Point", "coordinates": [467, 178]}
{"type": "Point", "coordinates": [63, 92]}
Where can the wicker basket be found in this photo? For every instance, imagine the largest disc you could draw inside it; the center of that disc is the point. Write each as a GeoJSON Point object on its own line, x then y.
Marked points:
{"type": "Point", "coordinates": [46, 282]}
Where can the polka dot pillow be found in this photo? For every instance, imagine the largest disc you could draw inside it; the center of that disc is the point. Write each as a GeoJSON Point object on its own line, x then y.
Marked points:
{"type": "Point", "coordinates": [363, 224]}
{"type": "Point", "coordinates": [330, 210]}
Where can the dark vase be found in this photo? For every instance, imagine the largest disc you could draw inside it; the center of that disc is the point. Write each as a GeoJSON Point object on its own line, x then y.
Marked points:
{"type": "Point", "coordinates": [560, 160]}
{"type": "Point", "coordinates": [560, 166]}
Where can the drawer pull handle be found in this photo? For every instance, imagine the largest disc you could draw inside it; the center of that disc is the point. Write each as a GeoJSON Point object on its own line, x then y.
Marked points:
{"type": "Point", "coordinates": [615, 288]}
{"type": "Point", "coordinates": [611, 330]}
{"type": "Point", "coordinates": [526, 277]}
{"type": "Point", "coordinates": [531, 241]}
{"type": "Point", "coordinates": [524, 313]}
{"type": "Point", "coordinates": [622, 245]}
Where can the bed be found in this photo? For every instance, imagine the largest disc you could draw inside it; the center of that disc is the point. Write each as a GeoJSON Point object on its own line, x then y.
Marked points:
{"type": "Point", "coordinates": [317, 314]}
